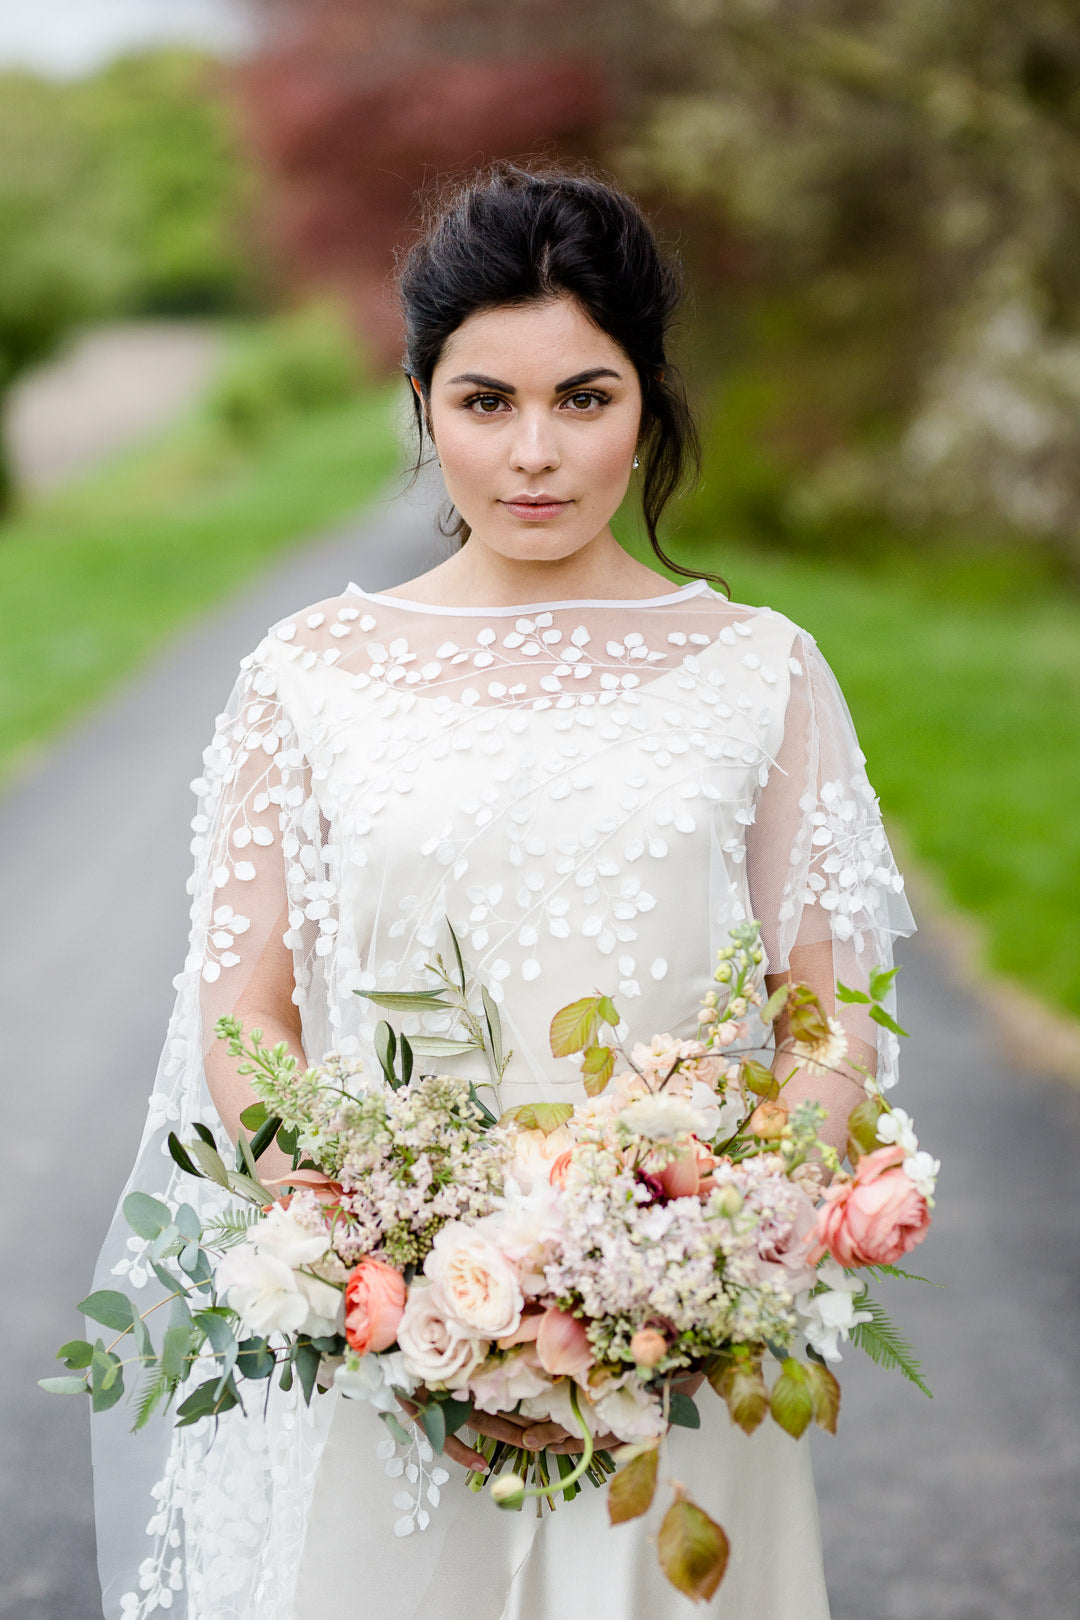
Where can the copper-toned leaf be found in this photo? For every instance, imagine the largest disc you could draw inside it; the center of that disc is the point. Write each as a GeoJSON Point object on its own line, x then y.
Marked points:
{"type": "Point", "coordinates": [862, 1127]}
{"type": "Point", "coordinates": [806, 1016]}
{"type": "Point", "coordinates": [608, 1011]}
{"type": "Point", "coordinates": [573, 1027]}
{"type": "Point", "coordinates": [825, 1392]}
{"type": "Point", "coordinates": [693, 1550]}
{"type": "Point", "coordinates": [741, 1384]}
{"type": "Point", "coordinates": [758, 1079]}
{"type": "Point", "coordinates": [792, 1403]}
{"type": "Point", "coordinates": [775, 1004]}
{"type": "Point", "coordinates": [597, 1069]}
{"type": "Point", "coordinates": [631, 1492]}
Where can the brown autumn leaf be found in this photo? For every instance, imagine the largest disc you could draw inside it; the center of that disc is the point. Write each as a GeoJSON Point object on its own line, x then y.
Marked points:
{"type": "Point", "coordinates": [631, 1491]}
{"type": "Point", "coordinates": [693, 1550]}
{"type": "Point", "coordinates": [825, 1393]}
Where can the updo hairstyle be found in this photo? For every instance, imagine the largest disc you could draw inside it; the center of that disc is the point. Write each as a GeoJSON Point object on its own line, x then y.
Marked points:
{"type": "Point", "coordinates": [510, 236]}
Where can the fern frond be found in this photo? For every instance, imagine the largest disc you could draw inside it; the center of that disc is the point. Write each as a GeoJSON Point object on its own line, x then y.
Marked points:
{"type": "Point", "coordinates": [884, 1345]}
{"type": "Point", "coordinates": [154, 1387]}
{"type": "Point", "coordinates": [895, 1271]}
{"type": "Point", "coordinates": [232, 1227]}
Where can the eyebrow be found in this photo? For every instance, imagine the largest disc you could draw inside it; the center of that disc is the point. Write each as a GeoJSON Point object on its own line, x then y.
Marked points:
{"type": "Point", "coordinates": [560, 388]}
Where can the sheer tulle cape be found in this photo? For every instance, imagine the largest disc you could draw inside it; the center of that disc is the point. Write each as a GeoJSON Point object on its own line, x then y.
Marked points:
{"type": "Point", "coordinates": [593, 792]}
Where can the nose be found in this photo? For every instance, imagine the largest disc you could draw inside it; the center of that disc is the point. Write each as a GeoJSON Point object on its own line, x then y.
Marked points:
{"type": "Point", "coordinates": [534, 448]}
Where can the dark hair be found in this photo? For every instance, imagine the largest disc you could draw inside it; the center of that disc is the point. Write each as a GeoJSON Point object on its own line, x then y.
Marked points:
{"type": "Point", "coordinates": [512, 235]}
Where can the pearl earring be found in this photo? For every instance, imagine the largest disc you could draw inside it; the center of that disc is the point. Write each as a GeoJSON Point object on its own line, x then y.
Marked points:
{"type": "Point", "coordinates": [637, 463]}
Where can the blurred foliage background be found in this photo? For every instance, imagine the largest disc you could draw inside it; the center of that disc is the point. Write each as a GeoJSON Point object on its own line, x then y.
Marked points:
{"type": "Point", "coordinates": [877, 205]}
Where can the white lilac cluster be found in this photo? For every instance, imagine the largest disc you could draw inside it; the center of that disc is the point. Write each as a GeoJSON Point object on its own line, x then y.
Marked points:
{"type": "Point", "coordinates": [413, 1160]}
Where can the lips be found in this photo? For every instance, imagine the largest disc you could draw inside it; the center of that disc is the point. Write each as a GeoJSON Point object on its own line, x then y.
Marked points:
{"type": "Point", "coordinates": [535, 508]}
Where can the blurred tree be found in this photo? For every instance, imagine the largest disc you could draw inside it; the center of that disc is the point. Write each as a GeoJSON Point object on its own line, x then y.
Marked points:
{"type": "Point", "coordinates": [61, 258]}
{"type": "Point", "coordinates": [164, 121]}
{"type": "Point", "coordinates": [352, 105]}
{"type": "Point", "coordinates": [900, 180]}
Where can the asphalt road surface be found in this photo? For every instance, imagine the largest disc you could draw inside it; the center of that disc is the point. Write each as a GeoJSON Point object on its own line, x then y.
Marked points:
{"type": "Point", "coordinates": [965, 1507]}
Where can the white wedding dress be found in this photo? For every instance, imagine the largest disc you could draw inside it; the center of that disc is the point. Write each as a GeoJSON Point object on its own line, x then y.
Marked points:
{"type": "Point", "coordinates": [592, 792]}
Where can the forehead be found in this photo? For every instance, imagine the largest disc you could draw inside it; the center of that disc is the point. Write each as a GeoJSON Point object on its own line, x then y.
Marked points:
{"type": "Point", "coordinates": [532, 340]}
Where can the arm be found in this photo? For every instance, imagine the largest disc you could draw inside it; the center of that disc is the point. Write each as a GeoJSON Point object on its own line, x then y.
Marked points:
{"type": "Point", "coordinates": [837, 1093]}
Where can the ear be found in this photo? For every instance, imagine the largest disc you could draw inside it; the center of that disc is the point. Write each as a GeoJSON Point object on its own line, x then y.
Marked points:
{"type": "Point", "coordinates": [419, 392]}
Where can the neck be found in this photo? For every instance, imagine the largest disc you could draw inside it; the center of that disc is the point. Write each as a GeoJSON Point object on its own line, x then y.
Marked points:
{"type": "Point", "coordinates": [480, 577]}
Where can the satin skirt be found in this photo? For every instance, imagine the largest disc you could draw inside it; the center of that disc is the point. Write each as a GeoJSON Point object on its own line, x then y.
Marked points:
{"type": "Point", "coordinates": [475, 1562]}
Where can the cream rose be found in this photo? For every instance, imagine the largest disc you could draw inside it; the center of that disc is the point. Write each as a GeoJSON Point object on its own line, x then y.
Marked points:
{"type": "Point", "coordinates": [435, 1350]}
{"type": "Point", "coordinates": [479, 1287]}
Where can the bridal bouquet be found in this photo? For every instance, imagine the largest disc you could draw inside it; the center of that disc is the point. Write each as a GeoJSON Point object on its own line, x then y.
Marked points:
{"type": "Point", "coordinates": [576, 1264]}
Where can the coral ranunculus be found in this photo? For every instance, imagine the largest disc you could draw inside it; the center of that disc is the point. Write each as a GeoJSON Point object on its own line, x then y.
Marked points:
{"type": "Point", "coordinates": [563, 1345]}
{"type": "Point", "coordinates": [374, 1302]}
{"type": "Point", "coordinates": [875, 1219]}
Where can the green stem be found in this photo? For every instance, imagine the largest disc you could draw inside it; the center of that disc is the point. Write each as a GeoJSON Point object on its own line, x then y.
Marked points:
{"type": "Point", "coordinates": [586, 1456]}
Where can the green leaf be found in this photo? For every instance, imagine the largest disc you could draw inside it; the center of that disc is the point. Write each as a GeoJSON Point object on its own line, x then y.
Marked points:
{"type": "Point", "coordinates": [254, 1115]}
{"type": "Point", "coordinates": [175, 1349]}
{"type": "Point", "coordinates": [440, 1045]}
{"type": "Point", "coordinates": [406, 1000]}
{"type": "Point", "coordinates": [478, 1102]}
{"type": "Point", "coordinates": [385, 1043]}
{"type": "Point", "coordinates": [631, 1492]}
{"type": "Point", "coordinates": [693, 1550]}
{"type": "Point", "coordinates": [219, 1326]}
{"type": "Point", "coordinates": [806, 1016]}
{"type": "Point", "coordinates": [106, 1378]}
{"type": "Point", "coordinates": [254, 1359]}
{"type": "Point", "coordinates": [205, 1401]}
{"type": "Point", "coordinates": [154, 1386]}
{"type": "Point", "coordinates": [825, 1393]}
{"type": "Point", "coordinates": [64, 1386]}
{"type": "Point", "coordinates": [406, 1052]}
{"type": "Point", "coordinates": [145, 1215]}
{"type": "Point", "coordinates": [597, 1069]}
{"type": "Point", "coordinates": [188, 1223]}
{"type": "Point", "coordinates": [608, 1011]}
{"type": "Point", "coordinates": [457, 953]}
{"type": "Point", "coordinates": [396, 1428]}
{"type": "Point", "coordinates": [895, 1271]}
{"type": "Point", "coordinates": [758, 1079]}
{"type": "Point", "coordinates": [776, 1003]}
{"type": "Point", "coordinates": [883, 1343]}
{"type": "Point", "coordinates": [792, 1402]}
{"type": "Point", "coordinates": [76, 1353]}
{"type": "Point", "coordinates": [307, 1366]}
{"type": "Point", "coordinates": [265, 1135]}
{"type": "Point", "coordinates": [434, 1422]}
{"type": "Point", "coordinates": [109, 1307]}
{"type": "Point", "coordinates": [245, 1187]}
{"type": "Point", "coordinates": [573, 1027]}
{"type": "Point", "coordinates": [862, 1127]}
{"type": "Point", "coordinates": [544, 1116]}
{"type": "Point", "coordinates": [880, 1016]}
{"type": "Point", "coordinates": [494, 1026]}
{"type": "Point", "coordinates": [456, 1413]}
{"type": "Point", "coordinates": [182, 1156]}
{"type": "Point", "coordinates": [742, 1386]}
{"type": "Point", "coordinates": [209, 1161]}
{"type": "Point", "coordinates": [844, 994]}
{"type": "Point", "coordinates": [682, 1412]}
{"type": "Point", "coordinates": [881, 981]}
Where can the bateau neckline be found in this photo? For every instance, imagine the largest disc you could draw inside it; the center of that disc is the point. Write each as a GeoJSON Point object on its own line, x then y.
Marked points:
{"type": "Point", "coordinates": [525, 609]}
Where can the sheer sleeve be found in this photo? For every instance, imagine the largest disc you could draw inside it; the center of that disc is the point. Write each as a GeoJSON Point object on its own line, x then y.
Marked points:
{"type": "Point", "coordinates": [820, 871]}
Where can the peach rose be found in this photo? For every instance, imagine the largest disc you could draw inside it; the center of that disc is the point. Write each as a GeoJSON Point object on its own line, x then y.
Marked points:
{"type": "Point", "coordinates": [875, 1219]}
{"type": "Point", "coordinates": [374, 1302]}
{"type": "Point", "coordinates": [560, 1168]}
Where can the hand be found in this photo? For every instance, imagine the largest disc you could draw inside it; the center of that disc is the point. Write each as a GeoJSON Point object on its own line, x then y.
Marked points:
{"type": "Point", "coordinates": [453, 1448]}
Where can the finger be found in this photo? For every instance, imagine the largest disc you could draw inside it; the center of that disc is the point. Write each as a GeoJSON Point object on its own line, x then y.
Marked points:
{"type": "Point", "coordinates": [499, 1428]}
{"type": "Point", "coordinates": [552, 1435]}
{"type": "Point", "coordinates": [459, 1452]}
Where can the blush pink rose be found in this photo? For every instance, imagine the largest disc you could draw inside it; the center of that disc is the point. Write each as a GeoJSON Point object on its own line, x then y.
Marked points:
{"type": "Point", "coordinates": [562, 1345]}
{"type": "Point", "coordinates": [875, 1219]}
{"type": "Point", "coordinates": [374, 1302]}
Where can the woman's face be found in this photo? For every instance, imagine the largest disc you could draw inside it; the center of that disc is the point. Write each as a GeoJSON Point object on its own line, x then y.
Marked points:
{"type": "Point", "coordinates": [535, 415]}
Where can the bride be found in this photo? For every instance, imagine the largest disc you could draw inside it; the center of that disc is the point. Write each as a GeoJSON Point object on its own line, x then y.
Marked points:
{"type": "Point", "coordinates": [593, 775]}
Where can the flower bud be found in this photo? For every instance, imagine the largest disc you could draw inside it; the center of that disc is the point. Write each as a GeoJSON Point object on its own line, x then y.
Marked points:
{"type": "Point", "coordinates": [648, 1347]}
{"type": "Point", "coordinates": [729, 1201]}
{"type": "Point", "coordinates": [737, 1007]}
{"type": "Point", "coordinates": [508, 1491]}
{"type": "Point", "coordinates": [707, 1015]}
{"type": "Point", "coordinates": [723, 974]}
{"type": "Point", "coordinates": [769, 1120]}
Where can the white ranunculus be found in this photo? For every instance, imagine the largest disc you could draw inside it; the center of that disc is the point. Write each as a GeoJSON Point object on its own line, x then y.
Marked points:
{"type": "Point", "coordinates": [262, 1290]}
{"type": "Point", "coordinates": [479, 1287]}
{"type": "Point", "coordinates": [435, 1350]}
{"type": "Point", "coordinates": [631, 1413]}
{"type": "Point", "coordinates": [326, 1306]}
{"type": "Point", "coordinates": [281, 1234]}
{"type": "Point", "coordinates": [374, 1378]}
{"type": "Point", "coordinates": [662, 1118]}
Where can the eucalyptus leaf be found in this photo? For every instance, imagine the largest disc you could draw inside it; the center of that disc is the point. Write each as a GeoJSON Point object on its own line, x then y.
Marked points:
{"type": "Point", "coordinates": [76, 1353]}
{"type": "Point", "coordinates": [64, 1386]}
{"type": "Point", "coordinates": [682, 1411]}
{"type": "Point", "coordinates": [397, 1429]}
{"type": "Point", "coordinates": [188, 1223]}
{"type": "Point", "coordinates": [109, 1307]}
{"type": "Point", "coordinates": [146, 1216]}
{"type": "Point", "coordinates": [175, 1349]}
{"type": "Point", "coordinates": [434, 1421]}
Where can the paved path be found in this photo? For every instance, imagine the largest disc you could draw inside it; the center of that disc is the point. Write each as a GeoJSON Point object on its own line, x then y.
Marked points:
{"type": "Point", "coordinates": [110, 388]}
{"type": "Point", "coordinates": [964, 1508]}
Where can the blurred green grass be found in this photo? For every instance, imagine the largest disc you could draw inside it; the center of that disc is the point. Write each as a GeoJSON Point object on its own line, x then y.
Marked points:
{"type": "Point", "coordinates": [962, 672]}
{"type": "Point", "coordinates": [94, 579]}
